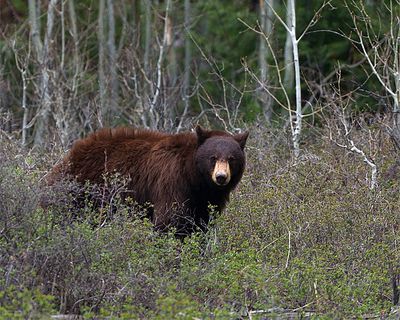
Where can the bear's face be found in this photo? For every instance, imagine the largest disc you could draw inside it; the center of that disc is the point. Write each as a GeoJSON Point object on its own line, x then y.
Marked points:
{"type": "Point", "coordinates": [220, 157]}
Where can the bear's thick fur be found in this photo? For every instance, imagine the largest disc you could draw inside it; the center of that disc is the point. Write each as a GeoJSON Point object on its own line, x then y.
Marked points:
{"type": "Point", "coordinates": [181, 175]}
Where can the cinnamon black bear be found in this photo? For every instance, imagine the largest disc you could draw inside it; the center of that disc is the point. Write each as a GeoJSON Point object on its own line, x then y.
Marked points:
{"type": "Point", "coordinates": [181, 175]}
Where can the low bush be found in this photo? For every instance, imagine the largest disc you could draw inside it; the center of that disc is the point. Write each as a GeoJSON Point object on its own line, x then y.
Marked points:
{"type": "Point", "coordinates": [307, 238]}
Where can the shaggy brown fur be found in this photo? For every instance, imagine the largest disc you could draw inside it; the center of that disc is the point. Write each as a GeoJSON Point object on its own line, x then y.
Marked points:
{"type": "Point", "coordinates": [174, 172]}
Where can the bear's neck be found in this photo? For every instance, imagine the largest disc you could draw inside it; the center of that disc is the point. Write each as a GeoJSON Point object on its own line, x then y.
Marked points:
{"type": "Point", "coordinates": [206, 193]}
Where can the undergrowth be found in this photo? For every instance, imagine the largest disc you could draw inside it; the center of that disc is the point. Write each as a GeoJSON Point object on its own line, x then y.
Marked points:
{"type": "Point", "coordinates": [307, 238]}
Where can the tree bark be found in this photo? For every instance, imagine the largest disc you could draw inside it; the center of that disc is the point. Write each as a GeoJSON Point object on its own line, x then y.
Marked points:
{"type": "Point", "coordinates": [288, 54]}
{"type": "Point", "coordinates": [112, 63]}
{"type": "Point", "coordinates": [102, 61]}
{"type": "Point", "coordinates": [172, 62]}
{"type": "Point", "coordinates": [74, 34]}
{"type": "Point", "coordinates": [147, 37]}
{"type": "Point", "coordinates": [35, 29]}
{"type": "Point", "coordinates": [154, 105]}
{"type": "Point", "coordinates": [188, 57]}
{"type": "Point", "coordinates": [42, 121]}
{"type": "Point", "coordinates": [264, 53]}
{"type": "Point", "coordinates": [296, 62]}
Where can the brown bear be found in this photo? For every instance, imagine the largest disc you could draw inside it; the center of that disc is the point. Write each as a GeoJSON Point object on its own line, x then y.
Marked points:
{"type": "Point", "coordinates": [181, 175]}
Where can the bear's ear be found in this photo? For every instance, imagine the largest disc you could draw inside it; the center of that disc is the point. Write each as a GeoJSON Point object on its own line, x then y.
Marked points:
{"type": "Point", "coordinates": [202, 134]}
{"type": "Point", "coordinates": [241, 138]}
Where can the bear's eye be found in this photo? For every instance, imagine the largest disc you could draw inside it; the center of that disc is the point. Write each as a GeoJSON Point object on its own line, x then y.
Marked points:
{"type": "Point", "coordinates": [213, 159]}
{"type": "Point", "coordinates": [231, 158]}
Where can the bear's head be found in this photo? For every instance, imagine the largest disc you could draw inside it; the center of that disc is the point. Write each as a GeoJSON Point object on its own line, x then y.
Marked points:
{"type": "Point", "coordinates": [220, 157]}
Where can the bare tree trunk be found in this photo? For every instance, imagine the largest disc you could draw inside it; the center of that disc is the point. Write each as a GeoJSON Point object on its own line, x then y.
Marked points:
{"type": "Point", "coordinates": [172, 63]}
{"type": "Point", "coordinates": [42, 121]}
{"type": "Point", "coordinates": [145, 96]}
{"type": "Point", "coordinates": [25, 108]}
{"type": "Point", "coordinates": [23, 68]}
{"type": "Point", "coordinates": [135, 21]}
{"type": "Point", "coordinates": [74, 34]}
{"type": "Point", "coordinates": [288, 55]}
{"type": "Point", "coordinates": [264, 54]}
{"type": "Point", "coordinates": [35, 29]}
{"type": "Point", "coordinates": [62, 11]}
{"type": "Point", "coordinates": [112, 62]}
{"type": "Point", "coordinates": [147, 37]}
{"type": "Point", "coordinates": [263, 47]}
{"type": "Point", "coordinates": [38, 48]}
{"type": "Point", "coordinates": [396, 92]}
{"type": "Point", "coordinates": [393, 68]}
{"type": "Point", "coordinates": [169, 111]}
{"type": "Point", "coordinates": [299, 113]}
{"type": "Point", "coordinates": [154, 112]}
{"type": "Point", "coordinates": [295, 116]}
{"type": "Point", "coordinates": [188, 58]}
{"type": "Point", "coordinates": [102, 62]}
{"type": "Point", "coordinates": [292, 41]}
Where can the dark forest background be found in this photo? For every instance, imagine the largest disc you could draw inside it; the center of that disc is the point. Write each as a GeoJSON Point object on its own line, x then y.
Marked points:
{"type": "Point", "coordinates": [68, 67]}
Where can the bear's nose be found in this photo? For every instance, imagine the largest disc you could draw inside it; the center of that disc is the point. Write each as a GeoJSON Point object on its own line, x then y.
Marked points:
{"type": "Point", "coordinates": [221, 178]}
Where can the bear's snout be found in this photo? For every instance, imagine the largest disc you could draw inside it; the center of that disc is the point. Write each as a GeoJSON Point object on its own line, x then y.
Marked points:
{"type": "Point", "coordinates": [221, 174]}
{"type": "Point", "coordinates": [221, 178]}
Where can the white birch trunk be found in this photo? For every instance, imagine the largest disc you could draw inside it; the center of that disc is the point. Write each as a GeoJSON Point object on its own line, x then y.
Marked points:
{"type": "Point", "coordinates": [42, 121]}
{"type": "Point", "coordinates": [395, 70]}
{"type": "Point", "coordinates": [62, 11]}
{"type": "Point", "coordinates": [288, 54]}
{"type": "Point", "coordinates": [23, 68]}
{"type": "Point", "coordinates": [299, 114]}
{"type": "Point", "coordinates": [75, 37]}
{"type": "Point", "coordinates": [112, 62]}
{"type": "Point", "coordinates": [147, 37]}
{"type": "Point", "coordinates": [188, 58]}
{"type": "Point", "coordinates": [102, 61]}
{"type": "Point", "coordinates": [25, 108]}
{"type": "Point", "coordinates": [35, 29]}
{"type": "Point", "coordinates": [264, 53]}
{"type": "Point", "coordinates": [172, 62]}
{"type": "Point", "coordinates": [154, 112]}
{"type": "Point", "coordinates": [24, 134]}
{"type": "Point", "coordinates": [172, 71]}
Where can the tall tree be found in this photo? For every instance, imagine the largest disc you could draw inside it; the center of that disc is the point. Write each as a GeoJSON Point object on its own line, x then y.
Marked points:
{"type": "Point", "coordinates": [295, 53]}
{"type": "Point", "coordinates": [288, 53]}
{"type": "Point", "coordinates": [264, 54]}
{"type": "Point", "coordinates": [188, 58]}
{"type": "Point", "coordinates": [75, 37]}
{"type": "Point", "coordinates": [296, 115]}
{"type": "Point", "coordinates": [147, 34]}
{"type": "Point", "coordinates": [43, 56]}
{"type": "Point", "coordinates": [101, 32]}
{"type": "Point", "coordinates": [112, 62]}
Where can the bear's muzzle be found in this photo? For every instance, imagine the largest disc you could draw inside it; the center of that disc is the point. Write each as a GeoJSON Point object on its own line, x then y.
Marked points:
{"type": "Point", "coordinates": [221, 174]}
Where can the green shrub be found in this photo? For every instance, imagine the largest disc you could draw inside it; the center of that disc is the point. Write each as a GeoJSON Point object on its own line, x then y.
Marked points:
{"type": "Point", "coordinates": [25, 304]}
{"type": "Point", "coordinates": [309, 237]}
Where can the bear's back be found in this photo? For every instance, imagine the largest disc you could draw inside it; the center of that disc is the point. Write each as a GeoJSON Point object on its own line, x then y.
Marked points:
{"type": "Point", "coordinates": [108, 135]}
{"type": "Point", "coordinates": [127, 151]}
{"type": "Point", "coordinates": [106, 140]}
